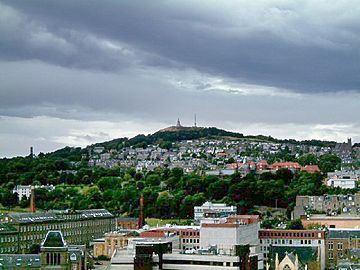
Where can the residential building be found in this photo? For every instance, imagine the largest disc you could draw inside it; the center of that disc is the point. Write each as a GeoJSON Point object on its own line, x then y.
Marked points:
{"type": "Point", "coordinates": [327, 204]}
{"type": "Point", "coordinates": [309, 245]}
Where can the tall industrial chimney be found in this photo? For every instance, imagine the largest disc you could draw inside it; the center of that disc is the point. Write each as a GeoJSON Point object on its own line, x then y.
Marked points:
{"type": "Point", "coordinates": [32, 200]}
{"type": "Point", "coordinates": [141, 221]}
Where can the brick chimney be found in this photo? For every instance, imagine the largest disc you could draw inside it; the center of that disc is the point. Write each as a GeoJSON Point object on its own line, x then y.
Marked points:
{"type": "Point", "coordinates": [141, 221]}
{"type": "Point", "coordinates": [32, 200]}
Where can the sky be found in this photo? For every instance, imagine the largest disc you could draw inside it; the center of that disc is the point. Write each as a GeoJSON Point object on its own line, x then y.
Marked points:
{"type": "Point", "coordinates": [73, 73]}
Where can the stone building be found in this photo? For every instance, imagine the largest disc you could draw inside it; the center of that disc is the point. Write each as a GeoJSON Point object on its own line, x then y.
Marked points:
{"type": "Point", "coordinates": [342, 244]}
{"type": "Point", "coordinates": [327, 204]}
{"type": "Point", "coordinates": [309, 245]}
{"type": "Point", "coordinates": [106, 246]}
{"type": "Point", "coordinates": [55, 254]}
{"type": "Point", "coordinates": [78, 227]}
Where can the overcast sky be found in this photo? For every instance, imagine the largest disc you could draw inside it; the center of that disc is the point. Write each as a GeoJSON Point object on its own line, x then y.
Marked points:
{"type": "Point", "coordinates": [78, 72]}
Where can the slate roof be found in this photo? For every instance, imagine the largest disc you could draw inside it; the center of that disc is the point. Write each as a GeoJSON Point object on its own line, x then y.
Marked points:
{"type": "Point", "coordinates": [343, 233]}
{"type": "Point", "coordinates": [33, 217]}
{"type": "Point", "coordinates": [59, 215]}
{"type": "Point", "coordinates": [13, 261]}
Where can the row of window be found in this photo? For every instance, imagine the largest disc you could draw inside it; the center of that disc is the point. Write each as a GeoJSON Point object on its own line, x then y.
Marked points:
{"type": "Point", "coordinates": [8, 249]}
{"type": "Point", "coordinates": [331, 245]}
{"type": "Point", "coordinates": [289, 241]}
{"type": "Point", "coordinates": [67, 225]}
{"type": "Point", "coordinates": [289, 234]}
{"type": "Point", "coordinates": [8, 239]}
{"type": "Point", "coordinates": [191, 240]}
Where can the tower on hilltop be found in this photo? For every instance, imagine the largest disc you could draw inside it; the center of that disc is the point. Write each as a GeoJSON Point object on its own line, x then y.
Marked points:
{"type": "Point", "coordinates": [178, 123]}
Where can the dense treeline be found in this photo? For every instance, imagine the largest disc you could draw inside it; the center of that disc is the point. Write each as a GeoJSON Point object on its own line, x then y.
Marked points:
{"type": "Point", "coordinates": [167, 193]}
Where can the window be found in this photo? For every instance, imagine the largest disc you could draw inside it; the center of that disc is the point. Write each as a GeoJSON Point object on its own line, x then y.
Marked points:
{"type": "Point", "coordinates": [340, 246]}
{"type": "Point", "coordinates": [331, 245]}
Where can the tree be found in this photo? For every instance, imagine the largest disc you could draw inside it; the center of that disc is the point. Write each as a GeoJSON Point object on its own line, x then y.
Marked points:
{"type": "Point", "coordinates": [329, 163]}
{"type": "Point", "coordinates": [295, 225]}
{"type": "Point", "coordinates": [308, 159]}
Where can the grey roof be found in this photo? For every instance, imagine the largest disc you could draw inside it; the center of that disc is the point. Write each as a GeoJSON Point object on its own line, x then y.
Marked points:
{"type": "Point", "coordinates": [343, 234]}
{"type": "Point", "coordinates": [33, 217]}
{"type": "Point", "coordinates": [59, 215]}
{"type": "Point", "coordinates": [13, 261]}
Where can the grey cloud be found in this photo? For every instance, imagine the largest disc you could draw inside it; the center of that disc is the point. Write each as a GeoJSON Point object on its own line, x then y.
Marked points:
{"type": "Point", "coordinates": [79, 94]}
{"type": "Point", "coordinates": [303, 46]}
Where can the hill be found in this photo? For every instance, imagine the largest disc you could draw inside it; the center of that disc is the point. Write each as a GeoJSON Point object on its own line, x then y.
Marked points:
{"type": "Point", "coordinates": [178, 133]}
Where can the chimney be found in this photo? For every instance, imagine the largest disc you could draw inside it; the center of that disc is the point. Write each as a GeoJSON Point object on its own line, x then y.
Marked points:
{"type": "Point", "coordinates": [32, 200]}
{"type": "Point", "coordinates": [141, 221]}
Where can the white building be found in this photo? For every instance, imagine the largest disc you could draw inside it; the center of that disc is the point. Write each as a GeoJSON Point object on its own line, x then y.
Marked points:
{"type": "Point", "coordinates": [343, 179]}
{"type": "Point", "coordinates": [220, 209]}
{"type": "Point", "coordinates": [22, 190]}
{"type": "Point", "coordinates": [225, 234]}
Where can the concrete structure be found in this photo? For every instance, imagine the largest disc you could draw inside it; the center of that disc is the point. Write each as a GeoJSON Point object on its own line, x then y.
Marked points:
{"type": "Point", "coordinates": [223, 235]}
{"type": "Point", "coordinates": [159, 255]}
{"type": "Point", "coordinates": [341, 221]}
{"type": "Point", "coordinates": [342, 244]}
{"type": "Point", "coordinates": [308, 244]}
{"type": "Point", "coordinates": [211, 209]}
{"type": "Point", "coordinates": [189, 236]}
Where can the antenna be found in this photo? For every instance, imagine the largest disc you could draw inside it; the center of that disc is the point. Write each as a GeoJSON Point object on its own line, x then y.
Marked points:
{"type": "Point", "coordinates": [195, 120]}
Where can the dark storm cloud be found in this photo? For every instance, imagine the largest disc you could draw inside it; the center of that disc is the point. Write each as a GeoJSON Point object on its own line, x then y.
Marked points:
{"type": "Point", "coordinates": [305, 46]}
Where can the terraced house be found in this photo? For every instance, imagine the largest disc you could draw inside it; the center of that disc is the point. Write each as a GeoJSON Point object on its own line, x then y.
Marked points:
{"type": "Point", "coordinates": [22, 230]}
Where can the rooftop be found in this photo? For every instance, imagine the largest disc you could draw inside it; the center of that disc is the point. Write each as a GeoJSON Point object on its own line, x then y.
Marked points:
{"type": "Point", "coordinates": [344, 233]}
